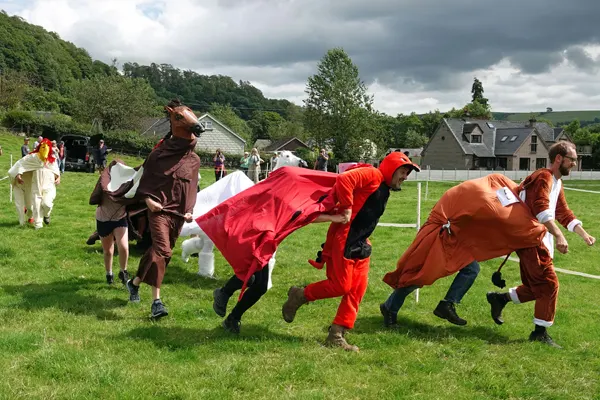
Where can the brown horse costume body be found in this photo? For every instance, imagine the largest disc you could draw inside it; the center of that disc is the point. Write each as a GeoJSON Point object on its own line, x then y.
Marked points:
{"type": "Point", "coordinates": [164, 197]}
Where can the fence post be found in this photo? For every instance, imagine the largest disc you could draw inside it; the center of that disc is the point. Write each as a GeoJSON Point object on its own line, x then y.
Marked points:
{"type": "Point", "coordinates": [455, 174]}
{"type": "Point", "coordinates": [429, 176]}
{"type": "Point", "coordinates": [10, 183]}
{"type": "Point", "coordinates": [442, 174]}
{"type": "Point", "coordinates": [418, 224]}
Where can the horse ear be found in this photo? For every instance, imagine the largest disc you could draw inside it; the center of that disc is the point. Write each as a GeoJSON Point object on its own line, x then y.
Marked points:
{"type": "Point", "coordinates": [168, 109]}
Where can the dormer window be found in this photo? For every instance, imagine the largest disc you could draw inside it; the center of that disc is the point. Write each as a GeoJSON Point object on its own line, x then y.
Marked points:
{"type": "Point", "coordinates": [475, 138]}
{"type": "Point", "coordinates": [207, 125]}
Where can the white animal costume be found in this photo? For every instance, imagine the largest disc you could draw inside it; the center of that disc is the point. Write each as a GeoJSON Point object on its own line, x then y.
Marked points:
{"type": "Point", "coordinates": [207, 199]}
{"type": "Point", "coordinates": [39, 173]}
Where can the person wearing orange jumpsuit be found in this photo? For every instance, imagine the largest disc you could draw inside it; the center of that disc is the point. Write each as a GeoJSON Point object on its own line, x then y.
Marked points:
{"type": "Point", "coordinates": [543, 193]}
{"type": "Point", "coordinates": [362, 194]}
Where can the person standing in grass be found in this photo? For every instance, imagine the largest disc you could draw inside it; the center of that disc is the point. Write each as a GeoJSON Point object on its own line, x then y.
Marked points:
{"type": "Point", "coordinates": [362, 194]}
{"type": "Point", "coordinates": [111, 225]}
{"type": "Point", "coordinates": [543, 193]}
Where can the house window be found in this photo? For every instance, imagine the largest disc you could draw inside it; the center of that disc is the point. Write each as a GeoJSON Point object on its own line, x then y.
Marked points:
{"type": "Point", "coordinates": [207, 124]}
{"type": "Point", "coordinates": [490, 125]}
{"type": "Point", "coordinates": [540, 163]}
{"type": "Point", "coordinates": [476, 139]}
{"type": "Point", "coordinates": [504, 138]}
{"type": "Point", "coordinates": [533, 144]}
{"type": "Point", "coordinates": [502, 162]}
{"type": "Point", "coordinates": [524, 164]}
{"type": "Point", "coordinates": [512, 139]}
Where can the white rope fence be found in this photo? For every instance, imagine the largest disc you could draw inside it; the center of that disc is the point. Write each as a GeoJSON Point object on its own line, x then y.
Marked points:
{"type": "Point", "coordinates": [416, 225]}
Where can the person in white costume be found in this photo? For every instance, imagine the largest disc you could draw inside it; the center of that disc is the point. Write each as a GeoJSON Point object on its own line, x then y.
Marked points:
{"type": "Point", "coordinates": [34, 179]}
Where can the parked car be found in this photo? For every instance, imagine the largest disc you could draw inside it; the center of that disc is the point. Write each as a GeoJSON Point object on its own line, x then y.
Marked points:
{"type": "Point", "coordinates": [79, 153]}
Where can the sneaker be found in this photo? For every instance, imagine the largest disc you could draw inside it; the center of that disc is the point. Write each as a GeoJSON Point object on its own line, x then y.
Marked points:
{"type": "Point", "coordinates": [158, 310]}
{"type": "Point", "coordinates": [446, 310]}
{"type": "Point", "coordinates": [134, 296]}
{"type": "Point", "coordinates": [389, 318]}
{"type": "Point", "coordinates": [124, 276]}
{"type": "Point", "coordinates": [497, 302]}
{"type": "Point", "coordinates": [92, 239]}
{"type": "Point", "coordinates": [110, 279]}
{"type": "Point", "coordinates": [232, 325]}
{"type": "Point", "coordinates": [47, 220]}
{"type": "Point", "coordinates": [544, 338]}
{"type": "Point", "coordinates": [220, 302]}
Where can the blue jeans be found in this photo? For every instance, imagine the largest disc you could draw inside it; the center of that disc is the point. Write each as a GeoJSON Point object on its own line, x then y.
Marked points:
{"type": "Point", "coordinates": [461, 284]}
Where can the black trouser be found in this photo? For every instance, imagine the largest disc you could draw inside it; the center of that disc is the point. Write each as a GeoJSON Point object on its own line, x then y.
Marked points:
{"type": "Point", "coordinates": [253, 293]}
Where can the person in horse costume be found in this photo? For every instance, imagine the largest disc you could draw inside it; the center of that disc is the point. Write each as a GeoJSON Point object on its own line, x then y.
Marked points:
{"type": "Point", "coordinates": [168, 187]}
{"type": "Point", "coordinates": [34, 179]}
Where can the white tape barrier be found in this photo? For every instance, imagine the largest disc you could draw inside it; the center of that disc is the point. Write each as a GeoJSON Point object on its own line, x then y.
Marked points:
{"type": "Point", "coordinates": [581, 190]}
{"type": "Point", "coordinates": [564, 271]}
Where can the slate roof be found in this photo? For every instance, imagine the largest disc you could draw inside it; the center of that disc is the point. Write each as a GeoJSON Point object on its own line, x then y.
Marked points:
{"type": "Point", "coordinates": [276, 145]}
{"type": "Point", "coordinates": [490, 130]}
{"type": "Point", "coordinates": [509, 140]}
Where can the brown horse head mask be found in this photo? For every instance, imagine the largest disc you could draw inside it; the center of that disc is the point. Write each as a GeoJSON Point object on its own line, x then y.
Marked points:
{"type": "Point", "coordinates": [184, 123]}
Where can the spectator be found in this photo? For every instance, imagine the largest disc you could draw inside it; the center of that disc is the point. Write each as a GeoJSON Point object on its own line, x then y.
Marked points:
{"type": "Point", "coordinates": [244, 162]}
{"type": "Point", "coordinates": [321, 163]}
{"type": "Point", "coordinates": [219, 160]}
{"type": "Point", "coordinates": [62, 156]}
{"type": "Point", "coordinates": [25, 147]}
{"type": "Point", "coordinates": [254, 165]}
{"type": "Point", "coordinates": [36, 144]}
{"type": "Point", "coordinates": [55, 150]}
{"type": "Point", "coordinates": [100, 156]}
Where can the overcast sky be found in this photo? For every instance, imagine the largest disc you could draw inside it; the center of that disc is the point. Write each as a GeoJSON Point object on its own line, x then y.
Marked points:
{"type": "Point", "coordinates": [414, 55]}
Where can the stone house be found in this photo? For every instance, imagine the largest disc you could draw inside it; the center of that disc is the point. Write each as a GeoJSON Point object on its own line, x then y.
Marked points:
{"type": "Point", "coordinates": [492, 145]}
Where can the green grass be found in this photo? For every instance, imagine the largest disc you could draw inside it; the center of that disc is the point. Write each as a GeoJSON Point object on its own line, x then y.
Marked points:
{"type": "Point", "coordinates": [65, 334]}
{"type": "Point", "coordinates": [555, 116]}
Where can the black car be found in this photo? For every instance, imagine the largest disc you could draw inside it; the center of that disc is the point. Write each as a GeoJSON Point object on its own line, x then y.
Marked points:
{"type": "Point", "coordinates": [79, 153]}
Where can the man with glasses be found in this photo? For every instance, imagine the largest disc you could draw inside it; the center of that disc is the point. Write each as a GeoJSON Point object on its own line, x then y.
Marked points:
{"type": "Point", "coordinates": [543, 193]}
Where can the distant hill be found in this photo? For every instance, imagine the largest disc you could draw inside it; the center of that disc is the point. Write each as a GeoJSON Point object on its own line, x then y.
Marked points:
{"type": "Point", "coordinates": [556, 117]}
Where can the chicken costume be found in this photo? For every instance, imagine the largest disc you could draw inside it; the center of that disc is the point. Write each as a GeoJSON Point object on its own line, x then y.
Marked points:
{"type": "Point", "coordinates": [39, 173]}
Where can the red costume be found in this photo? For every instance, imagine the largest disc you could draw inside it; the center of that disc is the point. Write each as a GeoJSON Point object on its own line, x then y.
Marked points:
{"type": "Point", "coordinates": [248, 227]}
{"type": "Point", "coordinates": [347, 250]}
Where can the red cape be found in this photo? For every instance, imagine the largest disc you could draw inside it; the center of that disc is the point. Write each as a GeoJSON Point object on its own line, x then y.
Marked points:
{"type": "Point", "coordinates": [481, 229]}
{"type": "Point", "coordinates": [248, 227]}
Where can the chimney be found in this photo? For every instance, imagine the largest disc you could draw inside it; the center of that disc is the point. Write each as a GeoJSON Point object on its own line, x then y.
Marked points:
{"type": "Point", "coordinates": [532, 122]}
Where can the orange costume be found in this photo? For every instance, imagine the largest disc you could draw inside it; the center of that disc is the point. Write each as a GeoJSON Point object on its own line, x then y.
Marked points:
{"type": "Point", "coordinates": [545, 197]}
{"type": "Point", "coordinates": [347, 250]}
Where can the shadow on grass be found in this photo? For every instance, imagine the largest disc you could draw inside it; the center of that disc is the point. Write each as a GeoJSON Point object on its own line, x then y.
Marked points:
{"type": "Point", "coordinates": [182, 338]}
{"type": "Point", "coordinates": [424, 331]}
{"type": "Point", "coordinates": [189, 276]}
{"type": "Point", "coordinates": [65, 295]}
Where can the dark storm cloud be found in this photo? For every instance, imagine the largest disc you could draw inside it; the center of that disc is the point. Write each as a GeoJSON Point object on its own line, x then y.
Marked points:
{"type": "Point", "coordinates": [421, 41]}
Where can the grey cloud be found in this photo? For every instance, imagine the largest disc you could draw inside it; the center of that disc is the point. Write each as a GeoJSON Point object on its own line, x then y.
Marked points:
{"type": "Point", "coordinates": [581, 58]}
{"type": "Point", "coordinates": [424, 40]}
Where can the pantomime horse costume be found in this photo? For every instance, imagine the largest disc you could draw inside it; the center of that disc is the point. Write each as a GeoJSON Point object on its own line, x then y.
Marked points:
{"type": "Point", "coordinates": [166, 186]}
{"type": "Point", "coordinates": [33, 178]}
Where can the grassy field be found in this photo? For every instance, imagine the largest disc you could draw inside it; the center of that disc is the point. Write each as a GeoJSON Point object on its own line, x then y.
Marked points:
{"type": "Point", "coordinates": [555, 116]}
{"type": "Point", "coordinates": [65, 334]}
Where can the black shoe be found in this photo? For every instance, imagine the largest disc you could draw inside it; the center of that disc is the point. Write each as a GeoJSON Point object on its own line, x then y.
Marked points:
{"type": "Point", "coordinates": [124, 276]}
{"type": "Point", "coordinates": [92, 239]}
{"type": "Point", "coordinates": [389, 318]}
{"type": "Point", "coordinates": [158, 310]}
{"type": "Point", "coordinates": [497, 302]}
{"type": "Point", "coordinates": [134, 296]}
{"type": "Point", "coordinates": [47, 220]}
{"type": "Point", "coordinates": [544, 338]}
{"type": "Point", "coordinates": [446, 310]}
{"type": "Point", "coordinates": [110, 279]}
{"type": "Point", "coordinates": [220, 302]}
{"type": "Point", "coordinates": [232, 325]}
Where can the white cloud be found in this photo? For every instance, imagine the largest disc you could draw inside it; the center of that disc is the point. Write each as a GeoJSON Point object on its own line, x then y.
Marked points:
{"type": "Point", "coordinates": [276, 45]}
